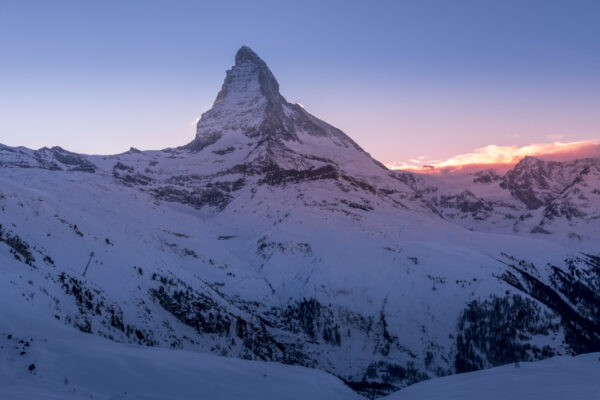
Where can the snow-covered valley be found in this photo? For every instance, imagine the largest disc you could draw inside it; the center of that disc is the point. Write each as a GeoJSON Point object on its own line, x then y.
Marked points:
{"type": "Point", "coordinates": [274, 237]}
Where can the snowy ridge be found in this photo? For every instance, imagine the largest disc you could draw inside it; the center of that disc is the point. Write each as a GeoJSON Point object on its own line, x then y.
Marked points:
{"type": "Point", "coordinates": [272, 236]}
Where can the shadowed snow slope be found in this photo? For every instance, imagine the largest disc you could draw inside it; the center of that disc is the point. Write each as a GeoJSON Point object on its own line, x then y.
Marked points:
{"type": "Point", "coordinates": [558, 378]}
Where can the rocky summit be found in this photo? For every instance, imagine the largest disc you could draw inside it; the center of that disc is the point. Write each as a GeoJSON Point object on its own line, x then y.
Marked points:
{"type": "Point", "coordinates": [273, 236]}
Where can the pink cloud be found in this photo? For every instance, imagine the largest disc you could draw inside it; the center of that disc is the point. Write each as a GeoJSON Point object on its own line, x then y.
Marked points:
{"type": "Point", "coordinates": [494, 155]}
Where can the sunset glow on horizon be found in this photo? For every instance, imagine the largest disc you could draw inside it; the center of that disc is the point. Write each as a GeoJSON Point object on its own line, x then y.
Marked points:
{"type": "Point", "coordinates": [493, 155]}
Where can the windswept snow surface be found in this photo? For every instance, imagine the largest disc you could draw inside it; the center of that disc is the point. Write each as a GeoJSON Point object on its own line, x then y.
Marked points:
{"type": "Point", "coordinates": [558, 378]}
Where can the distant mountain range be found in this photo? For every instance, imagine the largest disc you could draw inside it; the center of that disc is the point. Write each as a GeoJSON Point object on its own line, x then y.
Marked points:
{"type": "Point", "coordinates": [273, 236]}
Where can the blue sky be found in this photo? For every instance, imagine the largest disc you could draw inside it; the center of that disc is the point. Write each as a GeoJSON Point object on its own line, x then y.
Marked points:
{"type": "Point", "coordinates": [405, 79]}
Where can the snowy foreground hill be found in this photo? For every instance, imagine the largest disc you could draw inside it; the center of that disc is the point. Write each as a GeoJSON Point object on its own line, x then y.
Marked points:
{"type": "Point", "coordinates": [272, 236]}
{"type": "Point", "coordinates": [56, 362]}
{"type": "Point", "coordinates": [558, 378]}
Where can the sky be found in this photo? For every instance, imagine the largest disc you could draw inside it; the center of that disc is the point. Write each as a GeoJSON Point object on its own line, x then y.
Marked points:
{"type": "Point", "coordinates": [413, 82]}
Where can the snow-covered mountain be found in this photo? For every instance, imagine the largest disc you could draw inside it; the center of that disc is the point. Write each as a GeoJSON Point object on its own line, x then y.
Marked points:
{"type": "Point", "coordinates": [273, 236]}
{"type": "Point", "coordinates": [558, 199]}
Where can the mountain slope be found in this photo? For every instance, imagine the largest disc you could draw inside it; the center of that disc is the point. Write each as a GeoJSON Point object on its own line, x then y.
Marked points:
{"type": "Point", "coordinates": [42, 359]}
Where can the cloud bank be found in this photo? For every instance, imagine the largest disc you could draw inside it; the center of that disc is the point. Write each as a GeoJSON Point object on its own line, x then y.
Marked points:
{"type": "Point", "coordinates": [493, 155]}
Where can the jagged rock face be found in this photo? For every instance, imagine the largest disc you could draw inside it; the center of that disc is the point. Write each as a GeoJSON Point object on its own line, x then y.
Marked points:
{"type": "Point", "coordinates": [533, 181]}
{"type": "Point", "coordinates": [248, 72]}
{"type": "Point", "coordinates": [466, 202]}
{"type": "Point", "coordinates": [579, 199]}
{"type": "Point", "coordinates": [558, 190]}
{"type": "Point", "coordinates": [486, 176]}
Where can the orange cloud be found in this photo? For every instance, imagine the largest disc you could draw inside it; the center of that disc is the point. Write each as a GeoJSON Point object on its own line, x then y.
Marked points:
{"type": "Point", "coordinates": [493, 155]}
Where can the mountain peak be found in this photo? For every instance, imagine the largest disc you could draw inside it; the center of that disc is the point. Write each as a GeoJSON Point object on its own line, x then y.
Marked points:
{"type": "Point", "coordinates": [250, 109]}
{"type": "Point", "coordinates": [249, 78]}
{"type": "Point", "coordinates": [530, 159]}
{"type": "Point", "coordinates": [246, 54]}
{"type": "Point", "coordinates": [528, 162]}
